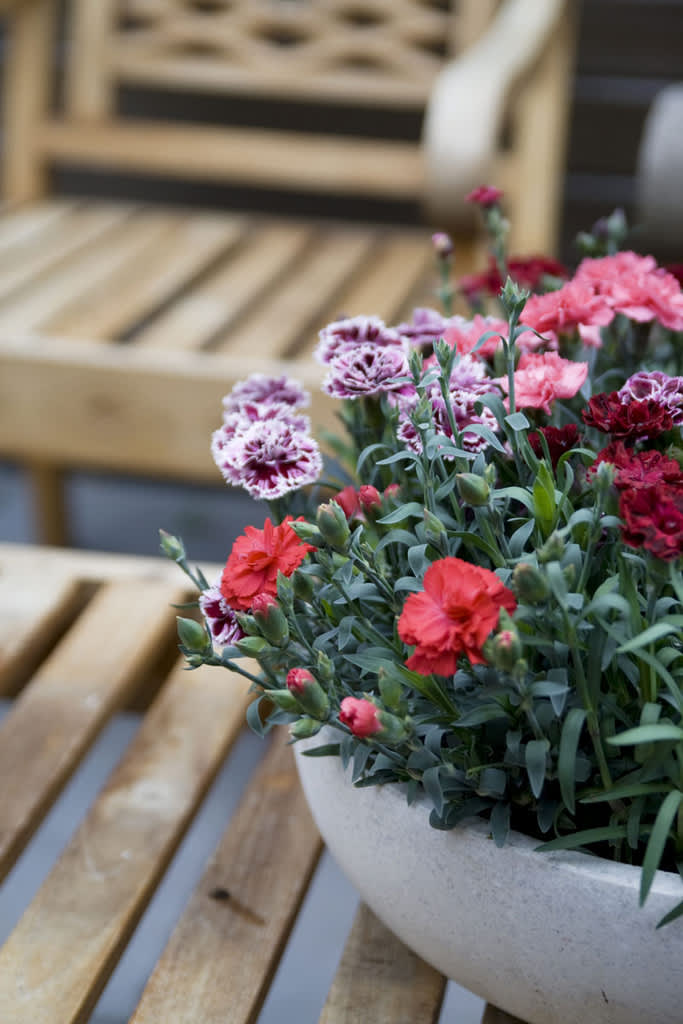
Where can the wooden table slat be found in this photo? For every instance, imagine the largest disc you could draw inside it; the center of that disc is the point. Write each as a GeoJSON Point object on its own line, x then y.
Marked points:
{"type": "Point", "coordinates": [219, 962]}
{"type": "Point", "coordinates": [381, 980]}
{"type": "Point", "coordinates": [24, 224]}
{"type": "Point", "coordinates": [226, 294]}
{"type": "Point", "coordinates": [297, 303]}
{"type": "Point", "coordinates": [90, 673]}
{"type": "Point", "coordinates": [175, 259]}
{"type": "Point", "coordinates": [61, 239]}
{"type": "Point", "coordinates": [58, 958]}
{"type": "Point", "coordinates": [35, 610]}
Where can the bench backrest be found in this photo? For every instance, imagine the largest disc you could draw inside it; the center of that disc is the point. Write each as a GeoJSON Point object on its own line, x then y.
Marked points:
{"type": "Point", "coordinates": [373, 54]}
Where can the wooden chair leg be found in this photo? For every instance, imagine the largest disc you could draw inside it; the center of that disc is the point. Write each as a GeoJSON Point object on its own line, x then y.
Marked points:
{"type": "Point", "coordinates": [46, 484]}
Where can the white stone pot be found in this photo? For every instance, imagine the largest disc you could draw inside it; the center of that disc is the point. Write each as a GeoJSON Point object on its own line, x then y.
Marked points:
{"type": "Point", "coordinates": [553, 938]}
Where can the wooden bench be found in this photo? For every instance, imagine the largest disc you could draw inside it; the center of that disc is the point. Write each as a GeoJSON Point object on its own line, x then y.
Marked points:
{"type": "Point", "coordinates": [83, 636]}
{"type": "Point", "coordinates": [123, 324]}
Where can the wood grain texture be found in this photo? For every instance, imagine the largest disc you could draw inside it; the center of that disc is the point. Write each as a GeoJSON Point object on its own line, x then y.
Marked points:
{"type": "Point", "coordinates": [90, 673]}
{"type": "Point", "coordinates": [219, 962]}
{"type": "Point", "coordinates": [34, 610]}
{"type": "Point", "coordinates": [382, 981]}
{"type": "Point", "coordinates": [57, 960]}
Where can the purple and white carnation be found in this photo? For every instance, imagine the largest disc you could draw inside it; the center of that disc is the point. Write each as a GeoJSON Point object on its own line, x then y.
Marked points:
{"type": "Point", "coordinates": [220, 618]}
{"type": "Point", "coordinates": [352, 332]}
{"type": "Point", "coordinates": [425, 329]}
{"type": "Point", "coordinates": [269, 459]}
{"type": "Point", "coordinates": [471, 374]}
{"type": "Point", "coordinates": [657, 386]}
{"type": "Point", "coordinates": [365, 371]}
{"type": "Point", "coordinates": [263, 390]}
{"type": "Point", "coordinates": [462, 401]}
{"type": "Point", "coordinates": [251, 412]}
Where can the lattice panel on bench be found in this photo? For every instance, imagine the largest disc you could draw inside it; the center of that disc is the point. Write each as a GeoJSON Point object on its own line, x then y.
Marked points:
{"type": "Point", "coordinates": [385, 51]}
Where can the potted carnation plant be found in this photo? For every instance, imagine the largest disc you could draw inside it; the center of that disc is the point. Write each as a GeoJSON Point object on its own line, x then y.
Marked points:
{"type": "Point", "coordinates": [479, 628]}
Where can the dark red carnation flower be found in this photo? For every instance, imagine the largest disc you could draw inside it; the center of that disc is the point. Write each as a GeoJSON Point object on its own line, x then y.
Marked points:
{"type": "Point", "coordinates": [653, 519]}
{"type": "Point", "coordinates": [527, 271]}
{"type": "Point", "coordinates": [626, 420]}
{"type": "Point", "coordinates": [558, 439]}
{"type": "Point", "coordinates": [638, 469]}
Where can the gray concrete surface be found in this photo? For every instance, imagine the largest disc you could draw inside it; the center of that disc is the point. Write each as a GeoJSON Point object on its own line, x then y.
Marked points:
{"type": "Point", "coordinates": [123, 515]}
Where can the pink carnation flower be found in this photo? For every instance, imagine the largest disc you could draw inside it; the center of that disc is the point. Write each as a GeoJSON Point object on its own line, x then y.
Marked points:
{"type": "Point", "coordinates": [361, 716]}
{"type": "Point", "coordinates": [347, 335]}
{"type": "Point", "coordinates": [563, 310]}
{"type": "Point", "coordinates": [484, 195]}
{"type": "Point", "coordinates": [220, 618]}
{"type": "Point", "coordinates": [464, 335]}
{"type": "Point", "coordinates": [364, 371]}
{"type": "Point", "coordinates": [540, 379]}
{"type": "Point", "coordinates": [263, 390]}
{"type": "Point", "coordinates": [268, 459]}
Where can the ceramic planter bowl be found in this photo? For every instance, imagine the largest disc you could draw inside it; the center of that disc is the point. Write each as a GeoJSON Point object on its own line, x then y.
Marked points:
{"type": "Point", "coordinates": [551, 938]}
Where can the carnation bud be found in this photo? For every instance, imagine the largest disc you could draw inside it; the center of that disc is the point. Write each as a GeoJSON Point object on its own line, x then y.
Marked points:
{"type": "Point", "coordinates": [347, 499]}
{"type": "Point", "coordinates": [302, 585]}
{"type": "Point", "coordinates": [491, 474]}
{"type": "Point", "coordinates": [473, 489]}
{"type": "Point", "coordinates": [333, 525]}
{"type": "Point", "coordinates": [253, 646]}
{"type": "Point", "coordinates": [443, 245]}
{"type": "Point", "coordinates": [307, 532]}
{"type": "Point", "coordinates": [308, 692]}
{"type": "Point", "coordinates": [552, 550]}
{"type": "Point", "coordinates": [283, 699]}
{"type": "Point", "coordinates": [513, 297]}
{"type": "Point", "coordinates": [270, 619]}
{"type": "Point", "coordinates": [505, 649]}
{"type": "Point", "coordinates": [391, 491]}
{"type": "Point", "coordinates": [569, 573]}
{"type": "Point", "coordinates": [434, 528]}
{"type": "Point", "coordinates": [370, 499]}
{"type": "Point", "coordinates": [171, 546]}
{"type": "Point", "coordinates": [285, 593]}
{"type": "Point", "coordinates": [390, 689]}
{"type": "Point", "coordinates": [529, 584]}
{"type": "Point", "coordinates": [193, 635]}
{"type": "Point", "coordinates": [324, 667]}
{"type": "Point", "coordinates": [365, 720]}
{"type": "Point", "coordinates": [415, 363]}
{"type": "Point", "coordinates": [304, 728]}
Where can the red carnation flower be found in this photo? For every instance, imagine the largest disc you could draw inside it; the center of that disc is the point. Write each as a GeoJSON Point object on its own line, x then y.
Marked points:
{"type": "Point", "coordinates": [653, 519]}
{"type": "Point", "coordinates": [455, 613]}
{"type": "Point", "coordinates": [626, 420]}
{"type": "Point", "coordinates": [638, 469]}
{"type": "Point", "coordinates": [558, 439]}
{"type": "Point", "coordinates": [484, 195]}
{"type": "Point", "coordinates": [255, 560]}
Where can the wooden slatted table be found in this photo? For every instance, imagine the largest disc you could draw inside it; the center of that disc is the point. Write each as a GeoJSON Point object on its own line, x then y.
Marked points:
{"type": "Point", "coordinates": [82, 636]}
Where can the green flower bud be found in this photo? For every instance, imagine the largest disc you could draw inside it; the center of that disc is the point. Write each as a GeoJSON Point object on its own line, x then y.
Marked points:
{"type": "Point", "coordinates": [193, 635]}
{"type": "Point", "coordinates": [304, 728]}
{"type": "Point", "coordinates": [171, 546]}
{"type": "Point", "coordinates": [505, 649]}
{"type": "Point", "coordinates": [308, 692]}
{"type": "Point", "coordinates": [473, 489]}
{"type": "Point", "coordinates": [332, 524]}
{"type": "Point", "coordinates": [552, 550]}
{"type": "Point", "coordinates": [253, 646]}
{"type": "Point", "coordinates": [529, 583]}
{"type": "Point", "coordinates": [435, 531]}
{"type": "Point", "coordinates": [393, 729]}
{"type": "Point", "coordinates": [324, 667]}
{"type": "Point", "coordinates": [307, 532]}
{"type": "Point", "coordinates": [283, 699]}
{"type": "Point", "coordinates": [302, 585]}
{"type": "Point", "coordinates": [270, 619]}
{"type": "Point", "coordinates": [513, 297]}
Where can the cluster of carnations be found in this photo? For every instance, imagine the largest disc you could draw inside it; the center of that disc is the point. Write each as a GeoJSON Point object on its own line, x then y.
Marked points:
{"type": "Point", "coordinates": [487, 603]}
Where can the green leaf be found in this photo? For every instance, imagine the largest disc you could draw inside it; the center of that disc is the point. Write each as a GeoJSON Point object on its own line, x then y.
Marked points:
{"type": "Point", "coordinates": [254, 718]}
{"type": "Point", "coordinates": [480, 715]}
{"type": "Point", "coordinates": [535, 758]}
{"type": "Point", "coordinates": [324, 750]}
{"type": "Point", "coordinates": [412, 508]}
{"type": "Point", "coordinates": [500, 823]}
{"type": "Point", "coordinates": [672, 915]}
{"type": "Point", "coordinates": [648, 636]}
{"type": "Point", "coordinates": [655, 733]}
{"type": "Point", "coordinates": [584, 838]}
{"type": "Point", "coordinates": [517, 421]}
{"type": "Point", "coordinates": [657, 841]}
{"type": "Point", "coordinates": [569, 744]}
{"type": "Point", "coordinates": [627, 792]}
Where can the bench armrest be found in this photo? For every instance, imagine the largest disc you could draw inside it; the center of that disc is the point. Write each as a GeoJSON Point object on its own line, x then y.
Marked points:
{"type": "Point", "coordinates": [468, 102]}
